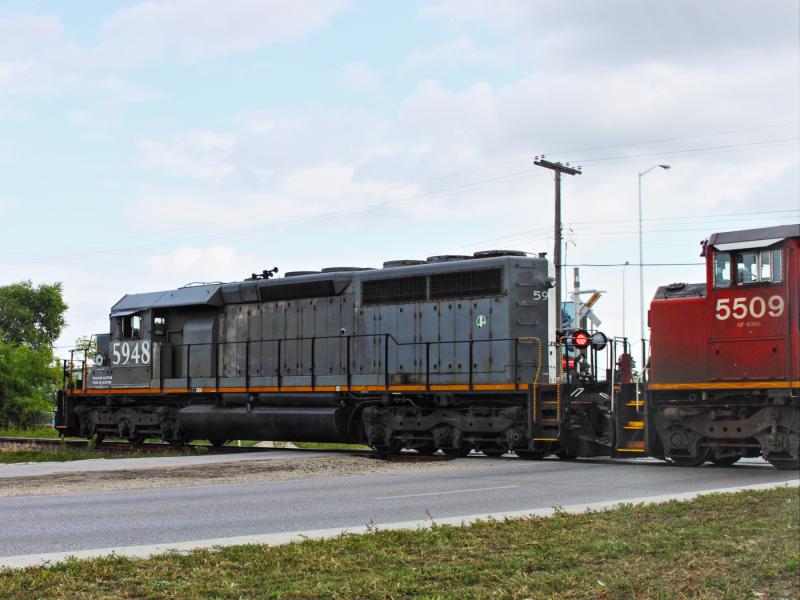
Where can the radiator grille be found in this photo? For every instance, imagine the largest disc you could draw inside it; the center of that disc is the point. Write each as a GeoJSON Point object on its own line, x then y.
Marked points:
{"type": "Point", "coordinates": [478, 282]}
{"type": "Point", "coordinates": [459, 284]}
{"type": "Point", "coordinates": [394, 291]}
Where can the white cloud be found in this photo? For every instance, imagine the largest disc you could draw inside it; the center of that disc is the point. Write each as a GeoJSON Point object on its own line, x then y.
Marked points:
{"type": "Point", "coordinates": [121, 90]}
{"type": "Point", "coordinates": [463, 147]}
{"type": "Point", "coordinates": [460, 51]}
{"type": "Point", "coordinates": [36, 56]}
{"type": "Point", "coordinates": [196, 154]}
{"type": "Point", "coordinates": [21, 35]}
{"type": "Point", "coordinates": [358, 77]}
{"type": "Point", "coordinates": [88, 119]}
{"type": "Point", "coordinates": [628, 31]}
{"type": "Point", "coordinates": [198, 263]}
{"type": "Point", "coordinates": [195, 29]}
{"type": "Point", "coordinates": [7, 205]}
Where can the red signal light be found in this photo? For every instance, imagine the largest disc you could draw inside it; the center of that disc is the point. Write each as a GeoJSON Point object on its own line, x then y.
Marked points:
{"type": "Point", "coordinates": [581, 339]}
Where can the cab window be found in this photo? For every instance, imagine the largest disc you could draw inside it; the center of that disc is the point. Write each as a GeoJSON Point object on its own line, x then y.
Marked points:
{"type": "Point", "coordinates": [747, 268]}
{"type": "Point", "coordinates": [159, 326]}
{"type": "Point", "coordinates": [764, 266]}
{"type": "Point", "coordinates": [131, 327]}
{"type": "Point", "coordinates": [722, 270]}
{"type": "Point", "coordinates": [777, 265]}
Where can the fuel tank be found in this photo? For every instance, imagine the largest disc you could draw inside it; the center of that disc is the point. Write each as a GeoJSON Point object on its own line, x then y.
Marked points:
{"type": "Point", "coordinates": [281, 424]}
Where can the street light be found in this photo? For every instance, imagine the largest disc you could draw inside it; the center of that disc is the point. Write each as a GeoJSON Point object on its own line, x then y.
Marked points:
{"type": "Point", "coordinates": [624, 335]}
{"type": "Point", "coordinates": [641, 264]}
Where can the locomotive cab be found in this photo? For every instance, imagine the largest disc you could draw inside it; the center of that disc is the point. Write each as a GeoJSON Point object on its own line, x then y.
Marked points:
{"type": "Point", "coordinates": [725, 355]}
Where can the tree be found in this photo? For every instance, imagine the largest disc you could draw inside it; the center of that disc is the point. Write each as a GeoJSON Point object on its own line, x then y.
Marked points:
{"type": "Point", "coordinates": [27, 383]}
{"type": "Point", "coordinates": [86, 346]}
{"type": "Point", "coordinates": [31, 316]}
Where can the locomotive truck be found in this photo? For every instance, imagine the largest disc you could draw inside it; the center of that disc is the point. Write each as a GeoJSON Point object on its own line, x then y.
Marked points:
{"type": "Point", "coordinates": [453, 354]}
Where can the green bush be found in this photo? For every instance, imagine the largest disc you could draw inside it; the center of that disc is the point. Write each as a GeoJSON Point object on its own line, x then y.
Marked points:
{"type": "Point", "coordinates": [31, 319]}
{"type": "Point", "coordinates": [27, 383]}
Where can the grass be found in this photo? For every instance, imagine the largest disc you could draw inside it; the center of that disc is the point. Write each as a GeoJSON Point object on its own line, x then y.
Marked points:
{"type": "Point", "coordinates": [742, 545]}
{"type": "Point", "coordinates": [328, 446]}
{"type": "Point", "coordinates": [43, 431]}
{"type": "Point", "coordinates": [70, 454]}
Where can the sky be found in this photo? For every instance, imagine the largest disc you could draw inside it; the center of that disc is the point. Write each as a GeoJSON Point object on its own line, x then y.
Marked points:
{"type": "Point", "coordinates": [146, 145]}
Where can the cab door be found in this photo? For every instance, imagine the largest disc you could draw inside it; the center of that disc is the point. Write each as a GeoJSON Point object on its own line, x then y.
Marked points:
{"type": "Point", "coordinates": [130, 351]}
{"type": "Point", "coordinates": [748, 322]}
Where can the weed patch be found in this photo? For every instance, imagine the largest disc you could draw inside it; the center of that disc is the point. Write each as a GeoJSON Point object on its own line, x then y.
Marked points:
{"type": "Point", "coordinates": [740, 545]}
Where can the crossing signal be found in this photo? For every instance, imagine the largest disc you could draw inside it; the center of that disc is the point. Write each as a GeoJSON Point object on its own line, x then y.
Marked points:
{"type": "Point", "coordinates": [580, 339]}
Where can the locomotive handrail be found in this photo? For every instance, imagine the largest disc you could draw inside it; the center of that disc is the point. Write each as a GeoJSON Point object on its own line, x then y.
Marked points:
{"type": "Point", "coordinates": [218, 358]}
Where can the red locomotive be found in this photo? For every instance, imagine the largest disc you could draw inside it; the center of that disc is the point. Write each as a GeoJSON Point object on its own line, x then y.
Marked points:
{"type": "Point", "coordinates": [724, 370]}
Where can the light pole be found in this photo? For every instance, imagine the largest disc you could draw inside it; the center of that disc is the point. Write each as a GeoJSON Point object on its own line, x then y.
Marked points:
{"type": "Point", "coordinates": [624, 336]}
{"type": "Point", "coordinates": [641, 265]}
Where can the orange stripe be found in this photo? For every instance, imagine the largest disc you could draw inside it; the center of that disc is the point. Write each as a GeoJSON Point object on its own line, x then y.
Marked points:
{"type": "Point", "coordinates": [725, 385]}
{"type": "Point", "coordinates": [134, 391]}
{"type": "Point", "coordinates": [499, 386]}
{"type": "Point", "coordinates": [503, 387]}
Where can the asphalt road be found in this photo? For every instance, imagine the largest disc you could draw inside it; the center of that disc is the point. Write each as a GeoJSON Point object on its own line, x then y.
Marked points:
{"type": "Point", "coordinates": [48, 524]}
{"type": "Point", "coordinates": [34, 469]}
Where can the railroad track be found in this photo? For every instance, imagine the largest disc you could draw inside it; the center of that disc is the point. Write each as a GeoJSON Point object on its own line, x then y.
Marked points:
{"type": "Point", "coordinates": [122, 447]}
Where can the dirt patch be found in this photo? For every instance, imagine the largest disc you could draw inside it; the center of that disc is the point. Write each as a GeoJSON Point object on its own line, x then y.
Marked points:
{"type": "Point", "coordinates": [250, 471]}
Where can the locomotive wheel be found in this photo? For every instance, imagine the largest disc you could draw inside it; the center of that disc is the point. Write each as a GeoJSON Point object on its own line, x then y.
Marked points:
{"type": "Point", "coordinates": [531, 454]}
{"type": "Point", "coordinates": [455, 452]}
{"type": "Point", "coordinates": [384, 450]}
{"type": "Point", "coordinates": [493, 452]}
{"type": "Point", "coordinates": [725, 461]}
{"type": "Point", "coordinates": [426, 449]}
{"type": "Point", "coordinates": [690, 461]}
{"type": "Point", "coordinates": [218, 443]}
{"type": "Point", "coordinates": [785, 464]}
{"type": "Point", "coordinates": [564, 455]}
{"type": "Point", "coordinates": [136, 440]}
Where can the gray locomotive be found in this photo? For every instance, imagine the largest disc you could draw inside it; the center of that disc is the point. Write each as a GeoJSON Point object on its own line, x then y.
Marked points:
{"type": "Point", "coordinates": [453, 353]}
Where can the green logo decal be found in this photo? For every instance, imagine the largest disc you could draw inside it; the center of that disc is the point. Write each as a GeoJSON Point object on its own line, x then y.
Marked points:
{"type": "Point", "coordinates": [480, 321]}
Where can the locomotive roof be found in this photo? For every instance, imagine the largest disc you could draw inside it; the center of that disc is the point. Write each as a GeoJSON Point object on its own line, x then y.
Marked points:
{"type": "Point", "coordinates": [681, 290]}
{"type": "Point", "coordinates": [772, 234]}
{"type": "Point", "coordinates": [208, 295]}
{"type": "Point", "coordinates": [287, 288]}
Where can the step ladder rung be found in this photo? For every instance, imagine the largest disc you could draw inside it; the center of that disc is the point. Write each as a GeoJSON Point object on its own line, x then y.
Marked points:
{"type": "Point", "coordinates": [636, 444]}
{"type": "Point", "coordinates": [633, 446]}
{"type": "Point", "coordinates": [634, 425]}
{"type": "Point", "coordinates": [636, 403]}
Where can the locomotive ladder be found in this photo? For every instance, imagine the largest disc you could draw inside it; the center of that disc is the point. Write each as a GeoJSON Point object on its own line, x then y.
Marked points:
{"type": "Point", "coordinates": [628, 412]}
{"type": "Point", "coordinates": [544, 403]}
{"type": "Point", "coordinates": [629, 417]}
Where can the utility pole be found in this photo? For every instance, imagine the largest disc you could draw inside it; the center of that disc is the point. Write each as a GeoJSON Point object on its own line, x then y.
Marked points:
{"type": "Point", "coordinates": [557, 169]}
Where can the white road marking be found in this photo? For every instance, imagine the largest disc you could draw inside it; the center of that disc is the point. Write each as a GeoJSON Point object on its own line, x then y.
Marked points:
{"type": "Point", "coordinates": [486, 489]}
{"type": "Point", "coordinates": [277, 539]}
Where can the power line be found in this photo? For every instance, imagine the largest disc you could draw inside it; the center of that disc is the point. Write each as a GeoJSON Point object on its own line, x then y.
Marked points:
{"type": "Point", "coordinates": [296, 221]}
{"type": "Point", "coordinates": [688, 150]}
{"type": "Point", "coordinates": [675, 139]}
{"type": "Point", "coordinates": [693, 217]}
{"type": "Point", "coordinates": [633, 264]}
{"type": "Point", "coordinates": [453, 189]}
